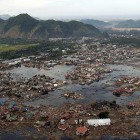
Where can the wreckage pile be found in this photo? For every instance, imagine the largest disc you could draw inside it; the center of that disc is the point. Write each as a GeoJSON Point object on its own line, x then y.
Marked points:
{"type": "Point", "coordinates": [27, 89]}
{"type": "Point", "coordinates": [110, 54]}
{"type": "Point", "coordinates": [127, 85]}
{"type": "Point", "coordinates": [88, 73]}
{"type": "Point", "coordinates": [3, 66]}
{"type": "Point", "coordinates": [73, 95]}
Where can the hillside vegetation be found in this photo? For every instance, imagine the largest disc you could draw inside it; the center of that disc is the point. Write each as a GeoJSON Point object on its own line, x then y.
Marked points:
{"type": "Point", "coordinates": [26, 27]}
{"type": "Point", "coordinates": [129, 24]}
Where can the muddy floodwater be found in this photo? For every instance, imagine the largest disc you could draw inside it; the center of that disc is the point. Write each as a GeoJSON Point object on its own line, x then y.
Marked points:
{"type": "Point", "coordinates": [101, 90]}
{"type": "Point", "coordinates": [57, 72]}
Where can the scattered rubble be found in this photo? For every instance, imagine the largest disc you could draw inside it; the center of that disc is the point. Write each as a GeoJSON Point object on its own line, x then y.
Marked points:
{"type": "Point", "coordinates": [27, 88]}
{"type": "Point", "coordinates": [127, 85]}
{"type": "Point", "coordinates": [75, 120]}
{"type": "Point", "coordinates": [73, 95]}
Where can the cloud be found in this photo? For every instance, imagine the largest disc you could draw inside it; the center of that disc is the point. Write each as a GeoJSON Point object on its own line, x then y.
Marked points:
{"type": "Point", "coordinates": [31, 6]}
{"type": "Point", "coordinates": [23, 3]}
{"type": "Point", "coordinates": [69, 7]}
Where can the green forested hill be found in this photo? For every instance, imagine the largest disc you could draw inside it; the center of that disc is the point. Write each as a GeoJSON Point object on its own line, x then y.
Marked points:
{"type": "Point", "coordinates": [26, 27]}
{"type": "Point", "coordinates": [129, 24]}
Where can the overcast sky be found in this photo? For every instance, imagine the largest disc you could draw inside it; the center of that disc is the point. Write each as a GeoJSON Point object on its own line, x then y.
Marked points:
{"type": "Point", "coordinates": [67, 8]}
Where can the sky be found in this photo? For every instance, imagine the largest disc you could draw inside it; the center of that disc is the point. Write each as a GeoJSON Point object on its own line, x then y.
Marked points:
{"type": "Point", "coordinates": [72, 8]}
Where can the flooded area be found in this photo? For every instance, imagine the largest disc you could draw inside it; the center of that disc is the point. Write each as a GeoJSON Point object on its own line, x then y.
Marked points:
{"type": "Point", "coordinates": [69, 98]}
{"type": "Point", "coordinates": [101, 90]}
{"type": "Point", "coordinates": [57, 72]}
